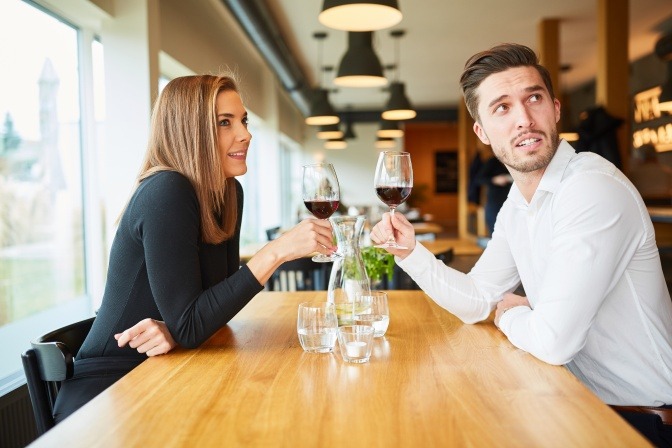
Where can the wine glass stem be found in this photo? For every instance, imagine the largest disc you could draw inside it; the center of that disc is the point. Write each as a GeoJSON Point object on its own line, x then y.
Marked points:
{"type": "Point", "coordinates": [391, 239]}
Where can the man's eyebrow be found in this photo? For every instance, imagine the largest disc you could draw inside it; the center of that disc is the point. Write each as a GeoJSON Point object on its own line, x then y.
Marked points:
{"type": "Point", "coordinates": [496, 100]}
{"type": "Point", "coordinates": [534, 88]}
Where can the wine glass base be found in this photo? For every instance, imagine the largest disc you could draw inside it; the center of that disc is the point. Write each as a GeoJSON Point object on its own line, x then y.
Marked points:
{"type": "Point", "coordinates": [321, 258]}
{"type": "Point", "coordinates": [390, 245]}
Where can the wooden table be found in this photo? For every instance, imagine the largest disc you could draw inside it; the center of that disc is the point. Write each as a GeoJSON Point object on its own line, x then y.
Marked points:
{"type": "Point", "coordinates": [431, 382]}
{"type": "Point", "coordinates": [423, 228]}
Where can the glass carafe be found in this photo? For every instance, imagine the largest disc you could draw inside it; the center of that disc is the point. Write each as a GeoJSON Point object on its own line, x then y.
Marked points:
{"type": "Point", "coordinates": [348, 280]}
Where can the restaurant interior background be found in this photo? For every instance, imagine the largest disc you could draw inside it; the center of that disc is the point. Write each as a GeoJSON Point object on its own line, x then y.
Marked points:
{"type": "Point", "coordinates": [80, 76]}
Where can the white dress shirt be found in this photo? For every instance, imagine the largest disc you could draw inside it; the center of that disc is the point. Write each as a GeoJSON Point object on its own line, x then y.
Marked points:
{"type": "Point", "coordinates": [584, 249]}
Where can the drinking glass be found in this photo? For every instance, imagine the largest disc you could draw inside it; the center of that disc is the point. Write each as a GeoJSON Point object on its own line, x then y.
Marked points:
{"type": "Point", "coordinates": [321, 195]}
{"type": "Point", "coordinates": [393, 182]}
{"type": "Point", "coordinates": [373, 310]}
{"type": "Point", "coordinates": [355, 342]}
{"type": "Point", "coordinates": [317, 326]}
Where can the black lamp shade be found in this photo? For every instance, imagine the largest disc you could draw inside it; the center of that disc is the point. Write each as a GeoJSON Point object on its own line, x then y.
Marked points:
{"type": "Point", "coordinates": [367, 15]}
{"type": "Point", "coordinates": [329, 131]}
{"type": "Point", "coordinates": [321, 110]}
{"type": "Point", "coordinates": [389, 129]}
{"type": "Point", "coordinates": [360, 66]}
{"type": "Point", "coordinates": [398, 107]}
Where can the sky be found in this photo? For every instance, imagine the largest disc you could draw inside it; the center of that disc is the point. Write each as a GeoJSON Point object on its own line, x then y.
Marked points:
{"type": "Point", "coordinates": [27, 38]}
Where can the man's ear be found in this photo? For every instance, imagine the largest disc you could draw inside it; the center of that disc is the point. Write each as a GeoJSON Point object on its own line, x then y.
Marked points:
{"type": "Point", "coordinates": [480, 133]}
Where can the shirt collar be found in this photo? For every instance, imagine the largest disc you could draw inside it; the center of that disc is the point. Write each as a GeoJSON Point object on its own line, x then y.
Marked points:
{"type": "Point", "coordinates": [552, 176]}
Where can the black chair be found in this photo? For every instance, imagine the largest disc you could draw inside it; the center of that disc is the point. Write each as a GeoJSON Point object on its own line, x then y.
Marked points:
{"type": "Point", "coordinates": [47, 364]}
{"type": "Point", "coordinates": [272, 233]}
{"type": "Point", "coordinates": [302, 274]}
{"type": "Point", "coordinates": [446, 256]}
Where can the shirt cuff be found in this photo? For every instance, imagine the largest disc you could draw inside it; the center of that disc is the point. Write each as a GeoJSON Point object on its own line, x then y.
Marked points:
{"type": "Point", "coordinates": [416, 261]}
{"type": "Point", "coordinates": [506, 319]}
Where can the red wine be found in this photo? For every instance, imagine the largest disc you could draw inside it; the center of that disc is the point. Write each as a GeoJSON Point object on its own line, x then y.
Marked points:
{"type": "Point", "coordinates": [321, 209]}
{"type": "Point", "coordinates": [393, 196]}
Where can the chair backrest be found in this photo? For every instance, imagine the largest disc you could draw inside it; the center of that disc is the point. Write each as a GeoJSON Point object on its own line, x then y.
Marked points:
{"type": "Point", "coordinates": [272, 233]}
{"type": "Point", "coordinates": [47, 364]}
{"type": "Point", "coordinates": [445, 256]}
{"type": "Point", "coordinates": [302, 274]}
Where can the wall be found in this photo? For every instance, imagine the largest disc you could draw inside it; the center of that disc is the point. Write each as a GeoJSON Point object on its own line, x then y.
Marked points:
{"type": "Point", "coordinates": [354, 165]}
{"type": "Point", "coordinates": [423, 141]}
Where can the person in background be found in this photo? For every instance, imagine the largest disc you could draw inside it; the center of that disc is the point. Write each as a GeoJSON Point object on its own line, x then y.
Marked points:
{"type": "Point", "coordinates": [576, 233]}
{"type": "Point", "coordinates": [174, 275]}
{"type": "Point", "coordinates": [497, 181]}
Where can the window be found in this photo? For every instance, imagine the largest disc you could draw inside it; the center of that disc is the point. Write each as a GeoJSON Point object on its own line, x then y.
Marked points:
{"type": "Point", "coordinates": [42, 258]}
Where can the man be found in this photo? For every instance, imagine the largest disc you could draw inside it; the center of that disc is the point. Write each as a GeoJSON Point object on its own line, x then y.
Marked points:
{"type": "Point", "coordinates": [575, 232]}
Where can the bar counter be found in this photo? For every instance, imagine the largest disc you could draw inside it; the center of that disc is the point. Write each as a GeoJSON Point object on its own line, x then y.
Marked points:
{"type": "Point", "coordinates": [432, 381]}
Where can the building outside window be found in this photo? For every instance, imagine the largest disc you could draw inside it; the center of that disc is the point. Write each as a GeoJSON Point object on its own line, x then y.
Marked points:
{"type": "Point", "coordinates": [42, 258]}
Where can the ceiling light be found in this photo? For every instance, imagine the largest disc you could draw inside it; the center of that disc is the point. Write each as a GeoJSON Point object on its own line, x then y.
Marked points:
{"type": "Point", "coordinates": [370, 15]}
{"type": "Point", "coordinates": [329, 131]}
{"type": "Point", "coordinates": [349, 131]}
{"type": "Point", "coordinates": [398, 106]}
{"type": "Point", "coordinates": [360, 66]}
{"type": "Point", "coordinates": [385, 143]}
{"type": "Point", "coordinates": [321, 111]}
{"type": "Point", "coordinates": [337, 143]}
{"type": "Point", "coordinates": [389, 129]}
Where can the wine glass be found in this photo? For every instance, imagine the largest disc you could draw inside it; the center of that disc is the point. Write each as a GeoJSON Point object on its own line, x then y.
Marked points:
{"type": "Point", "coordinates": [393, 182]}
{"type": "Point", "coordinates": [321, 195]}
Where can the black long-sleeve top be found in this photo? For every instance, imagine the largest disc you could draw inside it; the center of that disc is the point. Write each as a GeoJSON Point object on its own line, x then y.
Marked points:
{"type": "Point", "coordinates": [160, 268]}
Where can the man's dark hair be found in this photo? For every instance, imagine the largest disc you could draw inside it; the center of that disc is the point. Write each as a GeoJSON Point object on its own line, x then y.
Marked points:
{"type": "Point", "coordinates": [497, 59]}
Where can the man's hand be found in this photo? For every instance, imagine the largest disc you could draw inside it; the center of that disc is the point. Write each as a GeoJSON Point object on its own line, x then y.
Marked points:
{"type": "Point", "coordinates": [509, 301]}
{"type": "Point", "coordinates": [148, 336]}
{"type": "Point", "coordinates": [397, 225]}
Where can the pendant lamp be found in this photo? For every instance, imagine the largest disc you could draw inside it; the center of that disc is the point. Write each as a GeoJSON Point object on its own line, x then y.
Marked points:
{"type": "Point", "coordinates": [349, 131]}
{"type": "Point", "coordinates": [321, 111]}
{"type": "Point", "coordinates": [664, 52]}
{"type": "Point", "coordinates": [329, 131]}
{"type": "Point", "coordinates": [385, 143]}
{"type": "Point", "coordinates": [360, 66]}
{"type": "Point", "coordinates": [336, 143]}
{"type": "Point", "coordinates": [398, 106]}
{"type": "Point", "coordinates": [368, 15]}
{"type": "Point", "coordinates": [389, 129]}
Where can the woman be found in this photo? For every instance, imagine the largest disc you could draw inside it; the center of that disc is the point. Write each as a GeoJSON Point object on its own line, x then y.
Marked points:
{"type": "Point", "coordinates": [175, 254]}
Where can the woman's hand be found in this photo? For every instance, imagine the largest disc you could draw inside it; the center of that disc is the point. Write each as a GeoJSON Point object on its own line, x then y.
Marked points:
{"type": "Point", "coordinates": [395, 224]}
{"type": "Point", "coordinates": [308, 236]}
{"type": "Point", "coordinates": [148, 336]}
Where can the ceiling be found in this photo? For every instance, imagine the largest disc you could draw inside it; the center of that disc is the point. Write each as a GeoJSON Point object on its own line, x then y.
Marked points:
{"type": "Point", "coordinates": [441, 35]}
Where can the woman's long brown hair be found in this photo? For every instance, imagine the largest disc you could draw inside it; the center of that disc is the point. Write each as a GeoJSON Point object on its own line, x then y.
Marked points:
{"type": "Point", "coordinates": [183, 138]}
